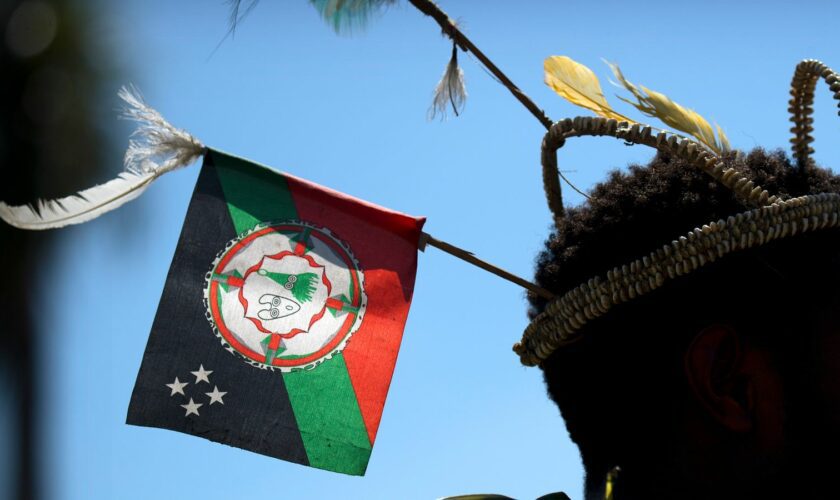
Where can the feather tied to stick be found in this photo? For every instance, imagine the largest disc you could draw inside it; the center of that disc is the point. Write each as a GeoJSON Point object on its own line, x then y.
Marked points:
{"type": "Point", "coordinates": [450, 90]}
{"type": "Point", "coordinates": [157, 148]}
{"type": "Point", "coordinates": [347, 16]}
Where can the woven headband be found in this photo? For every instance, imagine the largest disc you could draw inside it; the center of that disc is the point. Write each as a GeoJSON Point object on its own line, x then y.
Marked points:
{"type": "Point", "coordinates": [772, 218]}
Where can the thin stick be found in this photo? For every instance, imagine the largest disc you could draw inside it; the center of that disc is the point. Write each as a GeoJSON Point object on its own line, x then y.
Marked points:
{"type": "Point", "coordinates": [448, 26]}
{"type": "Point", "coordinates": [427, 239]}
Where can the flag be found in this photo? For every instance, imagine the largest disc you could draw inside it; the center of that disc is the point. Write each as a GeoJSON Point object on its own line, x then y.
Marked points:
{"type": "Point", "coordinates": [281, 318]}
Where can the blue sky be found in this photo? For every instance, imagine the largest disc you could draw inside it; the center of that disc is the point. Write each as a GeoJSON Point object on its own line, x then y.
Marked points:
{"type": "Point", "coordinates": [350, 113]}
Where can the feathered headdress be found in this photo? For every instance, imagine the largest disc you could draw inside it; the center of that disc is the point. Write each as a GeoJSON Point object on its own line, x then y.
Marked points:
{"type": "Point", "coordinates": [771, 218]}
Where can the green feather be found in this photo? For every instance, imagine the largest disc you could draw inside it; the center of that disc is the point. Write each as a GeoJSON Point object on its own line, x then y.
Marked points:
{"type": "Point", "coordinates": [345, 16]}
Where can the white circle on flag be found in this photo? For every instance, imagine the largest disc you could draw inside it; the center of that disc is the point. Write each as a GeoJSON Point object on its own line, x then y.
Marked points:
{"type": "Point", "coordinates": [285, 295]}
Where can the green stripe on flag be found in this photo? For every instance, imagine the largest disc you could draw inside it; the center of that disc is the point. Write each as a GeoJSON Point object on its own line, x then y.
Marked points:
{"type": "Point", "coordinates": [323, 399]}
{"type": "Point", "coordinates": [325, 407]}
{"type": "Point", "coordinates": [254, 193]}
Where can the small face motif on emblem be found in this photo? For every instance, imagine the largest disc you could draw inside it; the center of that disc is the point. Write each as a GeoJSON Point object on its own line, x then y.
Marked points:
{"type": "Point", "coordinates": [277, 307]}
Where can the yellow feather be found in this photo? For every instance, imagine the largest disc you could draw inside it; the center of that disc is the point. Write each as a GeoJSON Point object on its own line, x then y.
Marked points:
{"type": "Point", "coordinates": [624, 83]}
{"type": "Point", "coordinates": [724, 141]}
{"type": "Point", "coordinates": [658, 105]}
{"type": "Point", "coordinates": [578, 84]}
{"type": "Point", "coordinates": [680, 118]}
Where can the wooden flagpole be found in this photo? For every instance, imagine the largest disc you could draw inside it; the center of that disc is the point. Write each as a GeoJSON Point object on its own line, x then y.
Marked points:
{"type": "Point", "coordinates": [427, 239]}
{"type": "Point", "coordinates": [449, 27]}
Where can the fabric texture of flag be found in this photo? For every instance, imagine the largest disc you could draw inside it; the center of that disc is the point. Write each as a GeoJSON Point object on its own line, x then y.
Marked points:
{"type": "Point", "coordinates": [281, 318]}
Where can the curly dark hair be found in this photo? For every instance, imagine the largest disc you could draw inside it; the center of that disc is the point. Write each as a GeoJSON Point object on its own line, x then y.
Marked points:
{"type": "Point", "coordinates": [630, 359]}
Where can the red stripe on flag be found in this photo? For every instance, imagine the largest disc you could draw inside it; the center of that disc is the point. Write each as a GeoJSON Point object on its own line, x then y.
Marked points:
{"type": "Point", "coordinates": [385, 244]}
{"type": "Point", "coordinates": [372, 353]}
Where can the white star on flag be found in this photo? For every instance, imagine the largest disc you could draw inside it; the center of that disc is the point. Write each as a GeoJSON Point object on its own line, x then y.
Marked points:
{"type": "Point", "coordinates": [216, 395]}
{"type": "Point", "coordinates": [202, 375]}
{"type": "Point", "coordinates": [192, 407]}
{"type": "Point", "coordinates": [177, 387]}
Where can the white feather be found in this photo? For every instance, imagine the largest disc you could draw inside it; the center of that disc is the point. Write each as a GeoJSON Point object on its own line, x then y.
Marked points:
{"type": "Point", "coordinates": [78, 208]}
{"type": "Point", "coordinates": [157, 148]}
{"type": "Point", "coordinates": [450, 90]}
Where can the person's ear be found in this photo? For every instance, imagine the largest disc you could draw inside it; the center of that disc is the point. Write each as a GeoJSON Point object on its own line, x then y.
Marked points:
{"type": "Point", "coordinates": [718, 375]}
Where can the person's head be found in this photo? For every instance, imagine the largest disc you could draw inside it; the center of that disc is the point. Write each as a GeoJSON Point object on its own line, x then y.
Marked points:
{"type": "Point", "coordinates": [722, 383]}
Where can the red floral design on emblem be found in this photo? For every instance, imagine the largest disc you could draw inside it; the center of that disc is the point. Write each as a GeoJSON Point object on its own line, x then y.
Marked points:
{"type": "Point", "coordinates": [285, 295]}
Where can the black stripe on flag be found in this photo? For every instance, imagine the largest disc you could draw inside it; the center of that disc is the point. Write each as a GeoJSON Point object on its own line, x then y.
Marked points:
{"type": "Point", "coordinates": [255, 413]}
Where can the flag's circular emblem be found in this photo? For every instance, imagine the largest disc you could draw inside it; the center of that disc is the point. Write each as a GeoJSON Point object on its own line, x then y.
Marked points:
{"type": "Point", "coordinates": [285, 295]}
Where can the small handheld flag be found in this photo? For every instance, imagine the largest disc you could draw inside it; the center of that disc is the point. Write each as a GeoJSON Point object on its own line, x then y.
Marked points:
{"type": "Point", "coordinates": [284, 307]}
{"type": "Point", "coordinates": [281, 318]}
